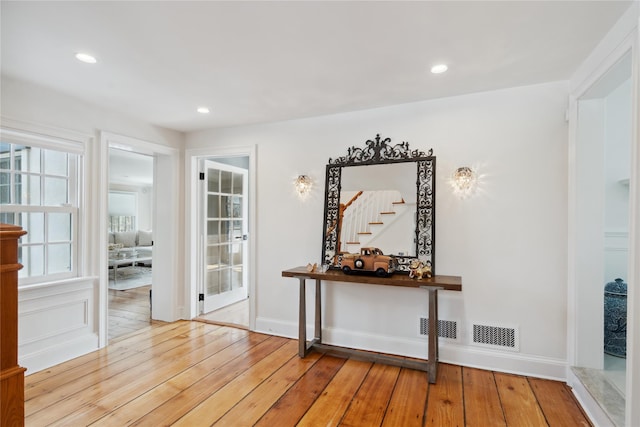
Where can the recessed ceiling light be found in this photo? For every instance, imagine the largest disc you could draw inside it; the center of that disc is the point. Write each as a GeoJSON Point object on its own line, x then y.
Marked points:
{"type": "Point", "coordinates": [203, 110]}
{"type": "Point", "coordinates": [85, 57]}
{"type": "Point", "coordinates": [440, 68]}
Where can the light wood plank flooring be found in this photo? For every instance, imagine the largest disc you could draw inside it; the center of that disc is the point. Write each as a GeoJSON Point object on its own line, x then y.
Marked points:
{"type": "Point", "coordinates": [197, 374]}
{"type": "Point", "coordinates": [236, 315]}
{"type": "Point", "coordinates": [129, 311]}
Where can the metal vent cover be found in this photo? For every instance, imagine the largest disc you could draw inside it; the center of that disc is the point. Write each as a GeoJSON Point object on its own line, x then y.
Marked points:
{"type": "Point", "coordinates": [446, 328]}
{"type": "Point", "coordinates": [503, 337]}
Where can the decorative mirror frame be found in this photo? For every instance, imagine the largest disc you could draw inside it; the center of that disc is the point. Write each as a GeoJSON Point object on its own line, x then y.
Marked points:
{"type": "Point", "coordinates": [376, 152]}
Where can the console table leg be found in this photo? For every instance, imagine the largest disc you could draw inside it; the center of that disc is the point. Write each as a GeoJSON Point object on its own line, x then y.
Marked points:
{"type": "Point", "coordinates": [432, 363]}
{"type": "Point", "coordinates": [318, 325]}
{"type": "Point", "coordinates": [302, 321]}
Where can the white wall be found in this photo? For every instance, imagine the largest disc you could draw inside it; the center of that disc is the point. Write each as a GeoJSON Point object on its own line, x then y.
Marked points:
{"type": "Point", "coordinates": [508, 242]}
{"type": "Point", "coordinates": [617, 162]}
{"type": "Point", "coordinates": [59, 321]}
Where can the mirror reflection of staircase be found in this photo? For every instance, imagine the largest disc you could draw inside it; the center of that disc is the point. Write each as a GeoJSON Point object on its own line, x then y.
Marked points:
{"type": "Point", "coordinates": [366, 216]}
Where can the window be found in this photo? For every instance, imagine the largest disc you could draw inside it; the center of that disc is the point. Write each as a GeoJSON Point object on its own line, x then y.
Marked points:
{"type": "Point", "coordinates": [39, 192]}
{"type": "Point", "coordinates": [123, 207]}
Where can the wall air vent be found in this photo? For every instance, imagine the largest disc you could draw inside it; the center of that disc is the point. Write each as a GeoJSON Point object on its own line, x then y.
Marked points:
{"type": "Point", "coordinates": [502, 337]}
{"type": "Point", "coordinates": [446, 328]}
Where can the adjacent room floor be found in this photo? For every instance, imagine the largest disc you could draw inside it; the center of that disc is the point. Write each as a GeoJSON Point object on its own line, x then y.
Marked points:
{"type": "Point", "coordinates": [236, 315]}
{"type": "Point", "coordinates": [129, 310]}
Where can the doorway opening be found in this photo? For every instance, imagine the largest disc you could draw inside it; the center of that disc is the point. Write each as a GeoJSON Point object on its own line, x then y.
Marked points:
{"type": "Point", "coordinates": [602, 218]}
{"type": "Point", "coordinates": [130, 247]}
{"type": "Point", "coordinates": [223, 264]}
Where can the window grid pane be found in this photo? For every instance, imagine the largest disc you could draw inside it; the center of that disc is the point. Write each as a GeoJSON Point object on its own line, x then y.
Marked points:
{"type": "Point", "coordinates": [33, 160]}
{"type": "Point", "coordinates": [59, 227]}
{"type": "Point", "coordinates": [5, 156]}
{"type": "Point", "coordinates": [33, 222]}
{"type": "Point", "coordinates": [59, 258]}
{"type": "Point", "coordinates": [55, 163]}
{"type": "Point", "coordinates": [5, 188]}
{"type": "Point", "coordinates": [27, 189]}
{"type": "Point", "coordinates": [32, 259]}
{"type": "Point", "coordinates": [55, 191]}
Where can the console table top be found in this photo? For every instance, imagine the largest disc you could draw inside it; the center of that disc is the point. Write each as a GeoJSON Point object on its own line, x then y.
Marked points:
{"type": "Point", "coordinates": [448, 283]}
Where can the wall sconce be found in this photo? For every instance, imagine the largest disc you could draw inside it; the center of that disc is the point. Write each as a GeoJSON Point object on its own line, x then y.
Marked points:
{"type": "Point", "coordinates": [303, 185]}
{"type": "Point", "coordinates": [464, 181]}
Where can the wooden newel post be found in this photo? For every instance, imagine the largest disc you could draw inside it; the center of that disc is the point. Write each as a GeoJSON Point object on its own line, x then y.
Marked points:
{"type": "Point", "coordinates": [11, 375]}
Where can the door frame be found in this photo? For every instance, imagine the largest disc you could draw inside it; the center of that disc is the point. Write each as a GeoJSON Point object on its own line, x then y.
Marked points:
{"type": "Point", "coordinates": [192, 158]}
{"type": "Point", "coordinates": [599, 64]}
{"type": "Point", "coordinates": [166, 221]}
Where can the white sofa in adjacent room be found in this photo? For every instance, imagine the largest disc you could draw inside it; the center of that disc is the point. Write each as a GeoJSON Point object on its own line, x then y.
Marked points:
{"type": "Point", "coordinates": [140, 241]}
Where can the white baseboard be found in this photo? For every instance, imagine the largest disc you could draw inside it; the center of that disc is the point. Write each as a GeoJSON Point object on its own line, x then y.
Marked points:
{"type": "Point", "coordinates": [454, 353]}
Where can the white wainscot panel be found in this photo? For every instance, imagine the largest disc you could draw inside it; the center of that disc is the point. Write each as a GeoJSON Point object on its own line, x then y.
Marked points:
{"type": "Point", "coordinates": [56, 322]}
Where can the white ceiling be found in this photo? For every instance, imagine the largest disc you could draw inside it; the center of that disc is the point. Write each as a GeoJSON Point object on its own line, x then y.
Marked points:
{"type": "Point", "coordinates": [127, 168]}
{"type": "Point", "coordinates": [252, 62]}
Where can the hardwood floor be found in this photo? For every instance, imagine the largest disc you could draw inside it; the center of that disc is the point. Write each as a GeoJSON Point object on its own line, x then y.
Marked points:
{"type": "Point", "coordinates": [129, 311]}
{"type": "Point", "coordinates": [236, 315]}
{"type": "Point", "coordinates": [193, 373]}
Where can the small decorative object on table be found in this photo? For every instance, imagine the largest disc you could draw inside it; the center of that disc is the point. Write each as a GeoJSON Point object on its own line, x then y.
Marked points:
{"type": "Point", "coordinates": [418, 270]}
{"type": "Point", "coordinates": [114, 250]}
{"type": "Point", "coordinates": [312, 267]}
{"type": "Point", "coordinates": [370, 260]}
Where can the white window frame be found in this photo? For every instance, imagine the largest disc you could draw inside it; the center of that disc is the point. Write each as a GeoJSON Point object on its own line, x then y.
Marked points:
{"type": "Point", "coordinates": [73, 207]}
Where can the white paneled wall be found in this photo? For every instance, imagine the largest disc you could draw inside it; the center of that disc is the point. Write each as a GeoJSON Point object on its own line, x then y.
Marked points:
{"type": "Point", "coordinates": [56, 322]}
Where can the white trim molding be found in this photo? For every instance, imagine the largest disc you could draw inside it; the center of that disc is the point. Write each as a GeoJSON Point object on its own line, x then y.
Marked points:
{"type": "Point", "coordinates": [191, 222]}
{"type": "Point", "coordinates": [43, 131]}
{"type": "Point", "coordinates": [622, 39]}
{"type": "Point", "coordinates": [167, 288]}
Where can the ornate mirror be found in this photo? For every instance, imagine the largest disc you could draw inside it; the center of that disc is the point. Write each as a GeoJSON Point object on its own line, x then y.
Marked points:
{"type": "Point", "coordinates": [383, 196]}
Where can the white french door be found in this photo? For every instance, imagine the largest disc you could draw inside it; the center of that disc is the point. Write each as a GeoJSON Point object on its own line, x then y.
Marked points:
{"type": "Point", "coordinates": [224, 263]}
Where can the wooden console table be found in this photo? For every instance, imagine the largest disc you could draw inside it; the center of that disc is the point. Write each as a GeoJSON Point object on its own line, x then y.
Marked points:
{"type": "Point", "coordinates": [432, 285]}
